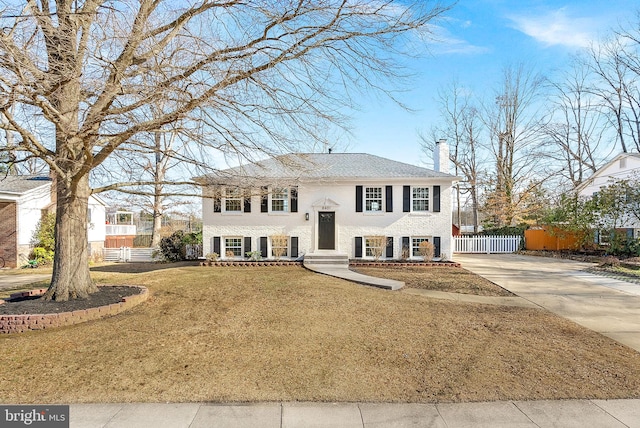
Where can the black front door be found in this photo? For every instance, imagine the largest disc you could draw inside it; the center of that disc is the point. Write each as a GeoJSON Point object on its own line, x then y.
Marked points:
{"type": "Point", "coordinates": [326, 230]}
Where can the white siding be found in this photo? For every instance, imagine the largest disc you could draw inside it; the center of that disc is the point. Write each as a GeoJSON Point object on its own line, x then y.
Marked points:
{"type": "Point", "coordinates": [97, 222]}
{"type": "Point", "coordinates": [612, 171]}
{"type": "Point", "coordinates": [624, 166]}
{"type": "Point", "coordinates": [349, 223]}
{"type": "Point", "coordinates": [30, 208]}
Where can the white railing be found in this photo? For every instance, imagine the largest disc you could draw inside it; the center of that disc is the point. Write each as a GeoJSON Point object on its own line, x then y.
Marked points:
{"type": "Point", "coordinates": [486, 244]}
{"type": "Point", "coordinates": [193, 251]}
{"type": "Point", "coordinates": [126, 254]}
{"type": "Point", "coordinates": [120, 229]}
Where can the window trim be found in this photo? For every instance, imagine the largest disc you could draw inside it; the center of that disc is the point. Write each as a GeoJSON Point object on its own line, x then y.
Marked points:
{"type": "Point", "coordinates": [241, 246]}
{"type": "Point", "coordinates": [239, 197]}
{"type": "Point", "coordinates": [416, 248]}
{"type": "Point", "coordinates": [287, 247]}
{"type": "Point", "coordinates": [379, 197]}
{"type": "Point", "coordinates": [424, 199]}
{"type": "Point", "coordinates": [286, 199]}
{"type": "Point", "coordinates": [366, 248]}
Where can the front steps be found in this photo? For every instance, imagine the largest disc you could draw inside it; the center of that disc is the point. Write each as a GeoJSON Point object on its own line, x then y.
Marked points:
{"type": "Point", "coordinates": [337, 265]}
{"type": "Point", "coordinates": [332, 258]}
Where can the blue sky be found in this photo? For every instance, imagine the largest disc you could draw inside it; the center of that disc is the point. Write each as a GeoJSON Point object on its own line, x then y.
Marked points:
{"type": "Point", "coordinates": [477, 39]}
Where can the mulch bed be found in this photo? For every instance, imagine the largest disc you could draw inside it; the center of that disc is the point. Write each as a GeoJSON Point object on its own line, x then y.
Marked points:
{"type": "Point", "coordinates": [105, 295]}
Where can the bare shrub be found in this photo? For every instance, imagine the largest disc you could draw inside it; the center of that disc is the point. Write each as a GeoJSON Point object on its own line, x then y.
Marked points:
{"type": "Point", "coordinates": [279, 245]}
{"type": "Point", "coordinates": [426, 250]}
{"type": "Point", "coordinates": [406, 253]}
{"type": "Point", "coordinates": [376, 245]}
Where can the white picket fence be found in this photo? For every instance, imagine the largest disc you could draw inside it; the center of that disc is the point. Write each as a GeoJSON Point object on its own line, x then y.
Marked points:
{"type": "Point", "coordinates": [193, 251]}
{"type": "Point", "coordinates": [127, 254]}
{"type": "Point", "coordinates": [486, 244]}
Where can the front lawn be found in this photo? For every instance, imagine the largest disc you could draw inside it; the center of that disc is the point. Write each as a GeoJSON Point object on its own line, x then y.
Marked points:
{"type": "Point", "coordinates": [449, 279]}
{"type": "Point", "coordinates": [285, 334]}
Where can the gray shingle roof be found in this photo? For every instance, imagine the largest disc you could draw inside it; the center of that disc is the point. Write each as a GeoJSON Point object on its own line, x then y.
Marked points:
{"type": "Point", "coordinates": [19, 184]}
{"type": "Point", "coordinates": [327, 166]}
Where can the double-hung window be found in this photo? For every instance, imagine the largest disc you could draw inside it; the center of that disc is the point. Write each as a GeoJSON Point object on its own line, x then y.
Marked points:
{"type": "Point", "coordinates": [415, 245]}
{"type": "Point", "coordinates": [373, 199]}
{"type": "Point", "coordinates": [375, 246]}
{"type": "Point", "coordinates": [233, 245]}
{"type": "Point", "coordinates": [369, 247]}
{"type": "Point", "coordinates": [279, 246]}
{"type": "Point", "coordinates": [280, 200]}
{"type": "Point", "coordinates": [233, 199]}
{"type": "Point", "coordinates": [420, 199]}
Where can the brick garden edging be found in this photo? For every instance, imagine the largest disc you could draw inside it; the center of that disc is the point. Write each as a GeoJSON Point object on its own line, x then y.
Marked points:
{"type": "Point", "coordinates": [352, 263]}
{"type": "Point", "coordinates": [247, 263]}
{"type": "Point", "coordinates": [22, 323]}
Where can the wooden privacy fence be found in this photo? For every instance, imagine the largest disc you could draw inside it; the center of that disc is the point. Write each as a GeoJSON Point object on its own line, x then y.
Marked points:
{"type": "Point", "coordinates": [486, 244]}
{"type": "Point", "coordinates": [549, 238]}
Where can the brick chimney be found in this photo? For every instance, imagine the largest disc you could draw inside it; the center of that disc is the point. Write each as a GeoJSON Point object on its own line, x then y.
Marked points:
{"type": "Point", "coordinates": [441, 156]}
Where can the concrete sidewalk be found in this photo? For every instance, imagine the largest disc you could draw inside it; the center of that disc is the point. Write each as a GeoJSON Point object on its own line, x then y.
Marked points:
{"type": "Point", "coordinates": [609, 306]}
{"type": "Point", "coordinates": [572, 413]}
{"type": "Point", "coordinates": [343, 272]}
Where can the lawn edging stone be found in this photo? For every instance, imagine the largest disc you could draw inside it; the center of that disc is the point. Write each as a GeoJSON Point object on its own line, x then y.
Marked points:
{"type": "Point", "coordinates": [352, 263]}
{"type": "Point", "coordinates": [394, 264]}
{"type": "Point", "coordinates": [250, 263]}
{"type": "Point", "coordinates": [27, 322]}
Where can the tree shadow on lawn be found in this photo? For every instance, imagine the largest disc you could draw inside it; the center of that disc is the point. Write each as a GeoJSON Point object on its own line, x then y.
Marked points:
{"type": "Point", "coordinates": [141, 267]}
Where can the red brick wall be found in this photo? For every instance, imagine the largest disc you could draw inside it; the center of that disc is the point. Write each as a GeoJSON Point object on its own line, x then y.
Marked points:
{"type": "Point", "coordinates": [8, 234]}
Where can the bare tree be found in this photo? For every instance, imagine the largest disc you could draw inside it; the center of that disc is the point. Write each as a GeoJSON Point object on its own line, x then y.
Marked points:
{"type": "Point", "coordinates": [462, 127]}
{"type": "Point", "coordinates": [514, 123]}
{"type": "Point", "coordinates": [615, 62]}
{"type": "Point", "coordinates": [577, 126]}
{"type": "Point", "coordinates": [160, 158]}
{"type": "Point", "coordinates": [249, 76]}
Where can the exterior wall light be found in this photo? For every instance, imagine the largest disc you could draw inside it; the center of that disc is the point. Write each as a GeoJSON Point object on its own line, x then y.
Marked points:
{"type": "Point", "coordinates": [306, 216]}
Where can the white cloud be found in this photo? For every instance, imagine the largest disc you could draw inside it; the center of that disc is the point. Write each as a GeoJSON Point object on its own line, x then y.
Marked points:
{"type": "Point", "coordinates": [443, 42]}
{"type": "Point", "coordinates": [556, 28]}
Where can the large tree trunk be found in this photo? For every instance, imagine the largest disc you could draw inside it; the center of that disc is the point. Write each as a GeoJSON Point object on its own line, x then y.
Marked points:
{"type": "Point", "coordinates": [157, 225]}
{"type": "Point", "coordinates": [71, 277]}
{"type": "Point", "coordinates": [159, 176]}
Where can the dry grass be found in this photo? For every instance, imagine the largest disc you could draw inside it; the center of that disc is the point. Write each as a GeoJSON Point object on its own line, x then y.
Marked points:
{"type": "Point", "coordinates": [449, 279]}
{"type": "Point", "coordinates": [271, 334]}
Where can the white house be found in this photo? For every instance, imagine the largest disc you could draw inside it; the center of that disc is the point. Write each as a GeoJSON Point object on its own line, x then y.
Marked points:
{"type": "Point", "coordinates": [328, 203]}
{"type": "Point", "coordinates": [23, 201]}
{"type": "Point", "coordinates": [622, 167]}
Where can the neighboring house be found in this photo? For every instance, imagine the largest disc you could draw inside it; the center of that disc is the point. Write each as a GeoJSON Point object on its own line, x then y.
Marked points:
{"type": "Point", "coordinates": [97, 227]}
{"type": "Point", "coordinates": [120, 230]}
{"type": "Point", "coordinates": [328, 203]}
{"type": "Point", "coordinates": [624, 166]}
{"type": "Point", "coordinates": [24, 199]}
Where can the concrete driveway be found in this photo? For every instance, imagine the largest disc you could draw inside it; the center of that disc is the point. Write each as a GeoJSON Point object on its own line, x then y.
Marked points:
{"type": "Point", "coordinates": [608, 306]}
{"type": "Point", "coordinates": [8, 281]}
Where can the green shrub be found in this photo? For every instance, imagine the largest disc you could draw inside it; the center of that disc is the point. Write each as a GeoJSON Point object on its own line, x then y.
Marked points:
{"type": "Point", "coordinates": [625, 246]}
{"type": "Point", "coordinates": [172, 248]}
{"type": "Point", "coordinates": [43, 241]}
{"type": "Point", "coordinates": [41, 255]}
